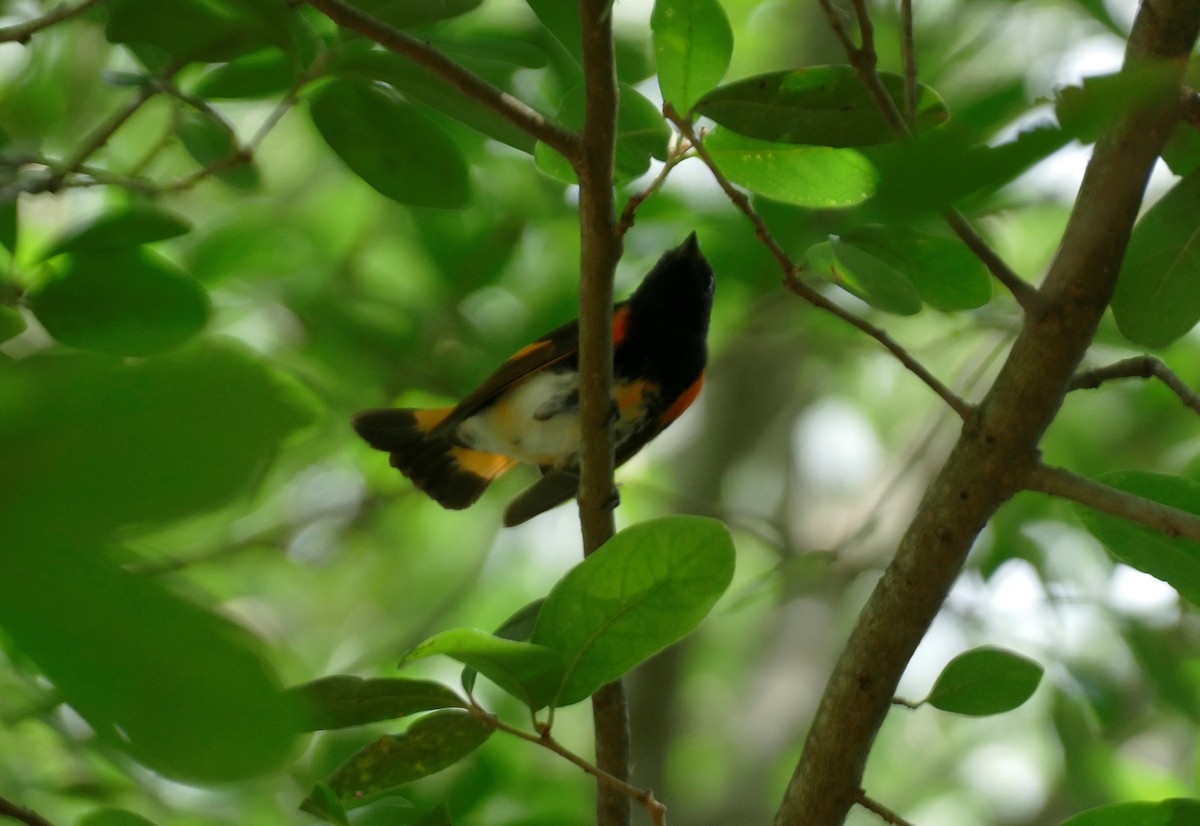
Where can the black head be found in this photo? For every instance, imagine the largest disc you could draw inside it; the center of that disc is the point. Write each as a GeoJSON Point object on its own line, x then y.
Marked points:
{"type": "Point", "coordinates": [676, 295]}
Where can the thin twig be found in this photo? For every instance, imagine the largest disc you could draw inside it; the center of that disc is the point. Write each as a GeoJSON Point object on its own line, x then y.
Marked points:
{"type": "Point", "coordinates": [1143, 367]}
{"type": "Point", "coordinates": [909, 51]}
{"type": "Point", "coordinates": [656, 809]}
{"type": "Point", "coordinates": [12, 811]}
{"type": "Point", "coordinates": [878, 808]}
{"type": "Point", "coordinates": [793, 283]}
{"type": "Point", "coordinates": [21, 32]}
{"type": "Point", "coordinates": [515, 111]}
{"type": "Point", "coordinates": [864, 62]}
{"type": "Point", "coordinates": [635, 201]}
{"type": "Point", "coordinates": [1064, 484]}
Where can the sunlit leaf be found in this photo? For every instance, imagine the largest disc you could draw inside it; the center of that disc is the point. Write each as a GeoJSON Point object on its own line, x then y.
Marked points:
{"type": "Point", "coordinates": [518, 627]}
{"type": "Point", "coordinates": [430, 744]}
{"type": "Point", "coordinates": [121, 227]}
{"type": "Point", "coordinates": [693, 43]}
{"type": "Point", "coordinates": [1175, 812]}
{"type": "Point", "coordinates": [127, 302]}
{"type": "Point", "coordinates": [820, 105]}
{"type": "Point", "coordinates": [985, 681]}
{"type": "Point", "coordinates": [946, 274]}
{"type": "Point", "coordinates": [641, 134]}
{"type": "Point", "coordinates": [388, 143]}
{"type": "Point", "coordinates": [531, 673]}
{"type": "Point", "coordinates": [1175, 560]}
{"type": "Point", "coordinates": [212, 143]}
{"type": "Point", "coordinates": [341, 701]}
{"type": "Point", "coordinates": [1157, 298]}
{"type": "Point", "coordinates": [809, 176]}
{"type": "Point", "coordinates": [644, 589]}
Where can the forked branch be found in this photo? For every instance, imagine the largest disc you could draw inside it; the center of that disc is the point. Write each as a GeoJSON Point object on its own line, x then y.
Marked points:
{"type": "Point", "coordinates": [1141, 367]}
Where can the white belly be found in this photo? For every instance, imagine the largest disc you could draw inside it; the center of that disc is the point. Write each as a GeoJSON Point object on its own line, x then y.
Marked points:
{"type": "Point", "coordinates": [510, 426]}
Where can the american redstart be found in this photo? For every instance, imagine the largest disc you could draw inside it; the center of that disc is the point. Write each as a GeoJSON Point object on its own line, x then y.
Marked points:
{"type": "Point", "coordinates": [528, 410]}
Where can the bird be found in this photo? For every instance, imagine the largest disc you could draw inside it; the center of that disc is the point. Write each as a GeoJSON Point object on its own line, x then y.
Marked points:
{"type": "Point", "coordinates": [527, 411]}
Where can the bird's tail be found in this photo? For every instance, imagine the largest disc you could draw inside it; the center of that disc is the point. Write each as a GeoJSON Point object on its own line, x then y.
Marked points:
{"type": "Point", "coordinates": [453, 475]}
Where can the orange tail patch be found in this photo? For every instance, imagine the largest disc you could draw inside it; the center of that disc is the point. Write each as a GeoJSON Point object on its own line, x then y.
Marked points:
{"type": "Point", "coordinates": [452, 475]}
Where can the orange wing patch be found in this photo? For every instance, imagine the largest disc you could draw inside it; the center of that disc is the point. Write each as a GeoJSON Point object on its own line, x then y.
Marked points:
{"type": "Point", "coordinates": [530, 349]}
{"type": "Point", "coordinates": [682, 403]}
{"type": "Point", "coordinates": [620, 324]}
{"type": "Point", "coordinates": [427, 420]}
{"type": "Point", "coordinates": [484, 465]}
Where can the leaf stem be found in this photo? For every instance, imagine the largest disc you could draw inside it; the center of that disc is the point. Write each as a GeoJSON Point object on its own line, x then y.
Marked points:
{"type": "Point", "coordinates": [515, 111]}
{"type": "Point", "coordinates": [887, 815]}
{"type": "Point", "coordinates": [12, 811]}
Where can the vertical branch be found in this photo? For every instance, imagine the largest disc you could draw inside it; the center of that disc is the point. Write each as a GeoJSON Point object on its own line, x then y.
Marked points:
{"type": "Point", "coordinates": [600, 250]}
{"type": "Point", "coordinates": [909, 50]}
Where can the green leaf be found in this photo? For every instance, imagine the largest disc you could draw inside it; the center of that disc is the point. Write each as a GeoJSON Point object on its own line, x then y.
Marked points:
{"type": "Point", "coordinates": [870, 278]}
{"type": "Point", "coordinates": [531, 673]}
{"type": "Point", "coordinates": [693, 43]}
{"type": "Point", "coordinates": [404, 14]}
{"type": "Point", "coordinates": [388, 143]}
{"type": "Point", "coordinates": [341, 701]}
{"type": "Point", "coordinates": [418, 83]}
{"type": "Point", "coordinates": [819, 105]}
{"type": "Point", "coordinates": [1182, 151]}
{"type": "Point", "coordinates": [1175, 560]}
{"type": "Point", "coordinates": [108, 639]}
{"type": "Point", "coordinates": [105, 443]}
{"type": "Point", "coordinates": [518, 627]}
{"type": "Point", "coordinates": [945, 272]}
{"type": "Point", "coordinates": [1083, 111]}
{"type": "Point", "coordinates": [985, 681]}
{"type": "Point", "coordinates": [431, 744]}
{"type": "Point", "coordinates": [322, 802]}
{"type": "Point", "coordinates": [255, 75]}
{"type": "Point", "coordinates": [644, 589]}
{"type": "Point", "coordinates": [121, 227]}
{"type": "Point", "coordinates": [127, 302]}
{"type": "Point", "coordinates": [113, 817]}
{"type": "Point", "coordinates": [1157, 298]}
{"type": "Point", "coordinates": [1176, 812]}
{"type": "Point", "coordinates": [8, 225]}
{"type": "Point", "coordinates": [205, 30]}
{"type": "Point", "coordinates": [808, 176]}
{"type": "Point", "coordinates": [562, 20]}
{"type": "Point", "coordinates": [12, 323]}
{"type": "Point", "coordinates": [641, 134]}
{"type": "Point", "coordinates": [212, 142]}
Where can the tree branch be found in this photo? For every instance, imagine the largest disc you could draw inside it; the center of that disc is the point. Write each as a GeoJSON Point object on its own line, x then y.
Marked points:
{"type": "Point", "coordinates": [997, 450]}
{"type": "Point", "coordinates": [1064, 484]}
{"type": "Point", "coordinates": [864, 61]}
{"type": "Point", "coordinates": [1143, 367]}
{"type": "Point", "coordinates": [793, 283]}
{"type": "Point", "coordinates": [21, 32]}
{"type": "Point", "coordinates": [515, 111]}
{"type": "Point", "coordinates": [600, 249]}
{"type": "Point", "coordinates": [878, 808]}
{"type": "Point", "coordinates": [12, 811]}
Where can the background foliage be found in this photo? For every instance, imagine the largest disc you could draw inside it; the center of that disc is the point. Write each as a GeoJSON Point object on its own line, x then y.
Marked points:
{"type": "Point", "coordinates": [194, 301]}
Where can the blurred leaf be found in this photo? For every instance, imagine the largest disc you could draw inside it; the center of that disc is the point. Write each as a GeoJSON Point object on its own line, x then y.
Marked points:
{"type": "Point", "coordinates": [120, 227]}
{"type": "Point", "coordinates": [644, 589]}
{"type": "Point", "coordinates": [212, 142]}
{"type": "Point", "coordinates": [341, 701]}
{"type": "Point", "coordinates": [641, 134]}
{"type": "Point", "coordinates": [1177, 812]}
{"type": "Point", "coordinates": [432, 743]}
{"type": "Point", "coordinates": [531, 673]}
{"type": "Point", "coordinates": [985, 681]}
{"type": "Point", "coordinates": [113, 817]}
{"type": "Point", "coordinates": [8, 225]}
{"type": "Point", "coordinates": [1182, 151]}
{"type": "Point", "coordinates": [945, 272]}
{"type": "Point", "coordinates": [404, 14]}
{"type": "Point", "coordinates": [127, 302]}
{"type": "Point", "coordinates": [103, 443]}
{"type": "Point", "coordinates": [818, 105]}
{"type": "Point", "coordinates": [421, 84]}
{"type": "Point", "coordinates": [439, 815]}
{"type": "Point", "coordinates": [259, 74]}
{"type": "Point", "coordinates": [206, 30]}
{"type": "Point", "coordinates": [400, 152]}
{"type": "Point", "coordinates": [562, 19]}
{"type": "Point", "coordinates": [809, 176]}
{"type": "Point", "coordinates": [108, 640]}
{"type": "Point", "coordinates": [12, 323]}
{"type": "Point", "coordinates": [1174, 560]}
{"type": "Point", "coordinates": [518, 628]}
{"type": "Point", "coordinates": [1083, 111]}
{"type": "Point", "coordinates": [868, 277]}
{"type": "Point", "coordinates": [693, 43]}
{"type": "Point", "coordinates": [322, 802]}
{"type": "Point", "coordinates": [1157, 298]}
{"type": "Point", "coordinates": [1168, 663]}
